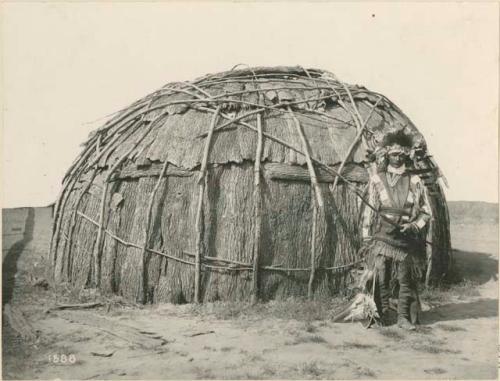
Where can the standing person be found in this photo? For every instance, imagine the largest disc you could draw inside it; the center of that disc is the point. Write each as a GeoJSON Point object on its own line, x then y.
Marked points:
{"type": "Point", "coordinates": [393, 232]}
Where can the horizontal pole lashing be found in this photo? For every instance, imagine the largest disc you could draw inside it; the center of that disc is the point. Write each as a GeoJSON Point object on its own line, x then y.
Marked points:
{"type": "Point", "coordinates": [274, 171]}
{"type": "Point", "coordinates": [232, 265]}
{"type": "Point", "coordinates": [279, 171]}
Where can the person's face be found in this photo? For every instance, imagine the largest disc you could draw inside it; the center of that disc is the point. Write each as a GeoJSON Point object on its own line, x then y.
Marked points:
{"type": "Point", "coordinates": [396, 159]}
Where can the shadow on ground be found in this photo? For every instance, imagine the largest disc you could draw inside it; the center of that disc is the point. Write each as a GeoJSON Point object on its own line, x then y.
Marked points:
{"type": "Point", "coordinates": [13, 346]}
{"type": "Point", "coordinates": [482, 308]}
{"type": "Point", "coordinates": [9, 267]}
{"type": "Point", "coordinates": [476, 267]}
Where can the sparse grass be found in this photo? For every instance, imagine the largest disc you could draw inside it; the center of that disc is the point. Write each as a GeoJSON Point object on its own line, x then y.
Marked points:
{"type": "Point", "coordinates": [433, 295]}
{"type": "Point", "coordinates": [354, 345]}
{"type": "Point", "coordinates": [268, 370]}
{"type": "Point", "coordinates": [435, 371]}
{"type": "Point", "coordinates": [226, 349]}
{"type": "Point", "coordinates": [430, 348]}
{"type": "Point", "coordinates": [316, 339]}
{"type": "Point", "coordinates": [82, 339]}
{"type": "Point", "coordinates": [310, 369]}
{"type": "Point", "coordinates": [307, 339]}
{"type": "Point", "coordinates": [422, 330]}
{"type": "Point", "coordinates": [461, 289]}
{"type": "Point", "coordinates": [465, 289]}
{"type": "Point", "coordinates": [254, 358]}
{"type": "Point", "coordinates": [363, 372]}
{"type": "Point", "coordinates": [251, 376]}
{"type": "Point", "coordinates": [391, 333]}
{"type": "Point", "coordinates": [450, 328]}
{"type": "Point", "coordinates": [209, 348]}
{"type": "Point", "coordinates": [204, 373]}
{"type": "Point", "coordinates": [430, 345]}
{"type": "Point", "coordinates": [310, 328]}
{"type": "Point", "coordinates": [324, 324]}
{"type": "Point", "coordinates": [292, 309]}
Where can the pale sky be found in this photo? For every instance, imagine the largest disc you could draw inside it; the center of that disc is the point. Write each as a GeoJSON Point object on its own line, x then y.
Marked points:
{"type": "Point", "coordinates": [68, 64]}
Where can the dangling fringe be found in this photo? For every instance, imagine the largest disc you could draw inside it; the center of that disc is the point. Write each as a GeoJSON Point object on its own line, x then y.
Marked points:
{"type": "Point", "coordinates": [378, 250]}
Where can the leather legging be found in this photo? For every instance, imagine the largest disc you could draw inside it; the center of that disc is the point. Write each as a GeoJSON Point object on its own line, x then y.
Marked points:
{"type": "Point", "coordinates": [385, 272]}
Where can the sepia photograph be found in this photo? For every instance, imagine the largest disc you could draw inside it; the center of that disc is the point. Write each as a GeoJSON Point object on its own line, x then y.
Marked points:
{"type": "Point", "coordinates": [249, 190]}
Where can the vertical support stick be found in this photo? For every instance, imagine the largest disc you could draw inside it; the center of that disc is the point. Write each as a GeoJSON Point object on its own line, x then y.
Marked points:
{"type": "Point", "coordinates": [202, 182]}
{"type": "Point", "coordinates": [257, 212]}
{"type": "Point", "coordinates": [100, 236]}
{"type": "Point", "coordinates": [148, 228]}
{"type": "Point", "coordinates": [58, 211]}
{"type": "Point", "coordinates": [74, 175]}
{"type": "Point", "coordinates": [310, 289]}
{"type": "Point", "coordinates": [317, 203]}
{"type": "Point", "coordinates": [72, 226]}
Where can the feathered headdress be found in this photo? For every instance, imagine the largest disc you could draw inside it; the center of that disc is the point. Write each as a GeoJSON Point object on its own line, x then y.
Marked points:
{"type": "Point", "coordinates": [397, 141]}
{"type": "Point", "coordinates": [393, 141]}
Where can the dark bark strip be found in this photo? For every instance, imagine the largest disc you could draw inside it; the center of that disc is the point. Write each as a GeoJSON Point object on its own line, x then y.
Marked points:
{"type": "Point", "coordinates": [202, 181]}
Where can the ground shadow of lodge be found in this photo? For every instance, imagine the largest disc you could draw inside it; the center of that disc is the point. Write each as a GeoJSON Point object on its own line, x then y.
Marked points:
{"type": "Point", "coordinates": [478, 268]}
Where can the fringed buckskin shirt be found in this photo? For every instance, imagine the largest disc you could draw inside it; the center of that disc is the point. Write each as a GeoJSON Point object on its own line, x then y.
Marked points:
{"type": "Point", "coordinates": [401, 198]}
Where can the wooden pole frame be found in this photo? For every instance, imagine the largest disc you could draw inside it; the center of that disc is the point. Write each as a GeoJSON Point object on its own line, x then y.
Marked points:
{"type": "Point", "coordinates": [317, 202]}
{"type": "Point", "coordinates": [69, 242]}
{"type": "Point", "coordinates": [202, 183]}
{"type": "Point", "coordinates": [257, 212]}
{"type": "Point", "coordinates": [147, 229]}
{"type": "Point", "coordinates": [232, 265]}
{"type": "Point", "coordinates": [100, 237]}
{"type": "Point", "coordinates": [66, 191]}
{"type": "Point", "coordinates": [137, 111]}
{"type": "Point", "coordinates": [355, 143]}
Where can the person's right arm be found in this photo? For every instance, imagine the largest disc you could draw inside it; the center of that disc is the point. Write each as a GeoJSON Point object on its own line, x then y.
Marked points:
{"type": "Point", "coordinates": [369, 214]}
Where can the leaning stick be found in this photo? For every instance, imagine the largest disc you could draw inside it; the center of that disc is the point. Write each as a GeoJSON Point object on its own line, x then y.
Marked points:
{"type": "Point", "coordinates": [148, 223]}
{"type": "Point", "coordinates": [354, 144]}
{"type": "Point", "coordinates": [233, 265]}
{"type": "Point", "coordinates": [319, 162]}
{"type": "Point", "coordinates": [99, 240]}
{"type": "Point", "coordinates": [130, 244]}
{"type": "Point", "coordinates": [313, 252]}
{"type": "Point", "coordinates": [257, 211]}
{"type": "Point", "coordinates": [79, 306]}
{"type": "Point", "coordinates": [317, 203]}
{"type": "Point", "coordinates": [69, 241]}
{"type": "Point", "coordinates": [202, 182]}
{"type": "Point", "coordinates": [275, 107]}
{"type": "Point", "coordinates": [289, 146]}
{"type": "Point", "coordinates": [349, 94]}
{"type": "Point", "coordinates": [66, 190]}
{"type": "Point", "coordinates": [84, 157]}
{"type": "Point", "coordinates": [356, 116]}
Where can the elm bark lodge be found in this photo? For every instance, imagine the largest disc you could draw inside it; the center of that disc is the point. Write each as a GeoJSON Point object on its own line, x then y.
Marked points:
{"type": "Point", "coordinates": [242, 185]}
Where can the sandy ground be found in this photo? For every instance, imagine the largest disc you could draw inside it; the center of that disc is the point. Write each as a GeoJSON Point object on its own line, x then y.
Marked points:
{"type": "Point", "coordinates": [458, 337]}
